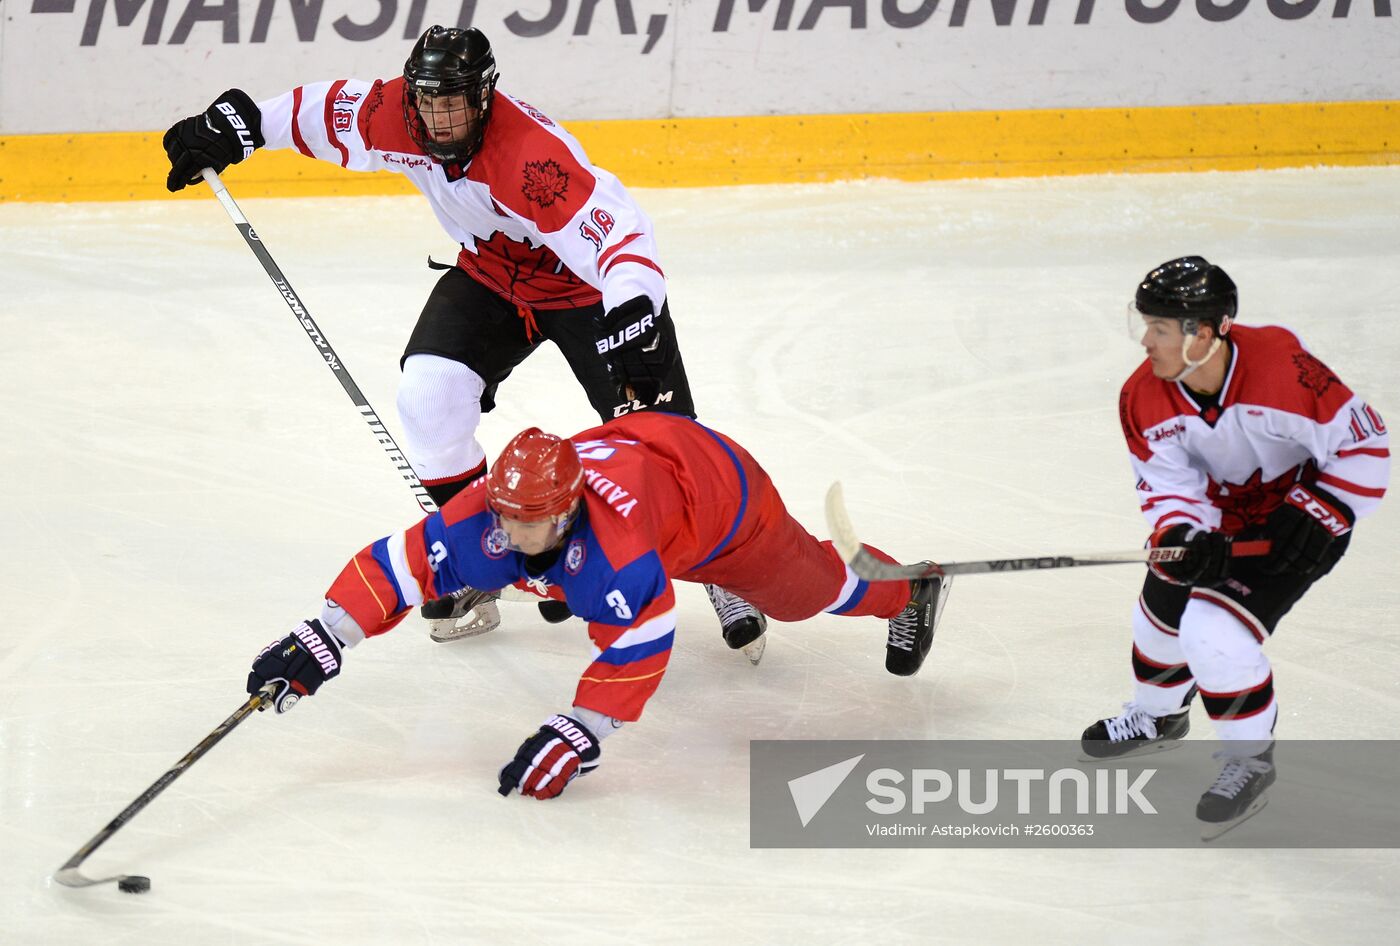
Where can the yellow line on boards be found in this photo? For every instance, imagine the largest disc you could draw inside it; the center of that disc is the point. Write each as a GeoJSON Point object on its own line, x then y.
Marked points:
{"type": "Point", "coordinates": [700, 152]}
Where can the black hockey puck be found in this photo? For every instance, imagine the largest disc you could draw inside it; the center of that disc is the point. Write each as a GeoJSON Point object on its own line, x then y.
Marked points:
{"type": "Point", "coordinates": [134, 884]}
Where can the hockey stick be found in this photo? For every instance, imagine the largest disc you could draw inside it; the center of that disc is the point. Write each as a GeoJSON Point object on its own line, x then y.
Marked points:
{"type": "Point", "coordinates": [487, 616]}
{"type": "Point", "coordinates": [870, 568]}
{"type": "Point", "coordinates": [70, 876]}
{"type": "Point", "coordinates": [318, 338]}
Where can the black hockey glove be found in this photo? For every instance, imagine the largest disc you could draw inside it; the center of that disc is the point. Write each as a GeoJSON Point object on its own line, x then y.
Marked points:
{"type": "Point", "coordinates": [1207, 559]}
{"type": "Point", "coordinates": [550, 759]}
{"type": "Point", "coordinates": [298, 664]}
{"type": "Point", "coordinates": [1302, 530]}
{"type": "Point", "coordinates": [228, 131]}
{"type": "Point", "coordinates": [639, 352]}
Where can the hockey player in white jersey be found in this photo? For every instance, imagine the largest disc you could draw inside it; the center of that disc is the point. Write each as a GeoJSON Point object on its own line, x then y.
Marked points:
{"type": "Point", "coordinates": [552, 247]}
{"type": "Point", "coordinates": [1234, 432]}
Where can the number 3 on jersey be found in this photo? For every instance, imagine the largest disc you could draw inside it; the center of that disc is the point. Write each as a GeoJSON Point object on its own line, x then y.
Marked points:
{"type": "Point", "coordinates": [619, 604]}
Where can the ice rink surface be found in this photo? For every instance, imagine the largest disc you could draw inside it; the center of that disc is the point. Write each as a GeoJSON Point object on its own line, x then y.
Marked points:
{"type": "Point", "coordinates": [182, 478]}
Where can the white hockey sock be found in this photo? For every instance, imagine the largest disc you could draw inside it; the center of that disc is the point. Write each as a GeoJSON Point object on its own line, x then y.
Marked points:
{"type": "Point", "coordinates": [1227, 657]}
{"type": "Point", "coordinates": [440, 407]}
{"type": "Point", "coordinates": [1161, 677]}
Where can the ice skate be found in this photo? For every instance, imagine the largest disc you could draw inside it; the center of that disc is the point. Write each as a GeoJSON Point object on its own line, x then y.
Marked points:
{"type": "Point", "coordinates": [1239, 792]}
{"type": "Point", "coordinates": [1135, 731]}
{"type": "Point", "coordinates": [742, 624]}
{"type": "Point", "coordinates": [445, 615]}
{"type": "Point", "coordinates": [911, 631]}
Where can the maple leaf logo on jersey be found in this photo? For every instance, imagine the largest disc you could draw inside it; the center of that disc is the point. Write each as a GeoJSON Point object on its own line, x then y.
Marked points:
{"type": "Point", "coordinates": [1313, 374]}
{"type": "Point", "coordinates": [545, 182]}
{"type": "Point", "coordinates": [1249, 503]}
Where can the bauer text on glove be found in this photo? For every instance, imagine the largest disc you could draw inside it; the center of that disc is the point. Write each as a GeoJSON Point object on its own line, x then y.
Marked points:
{"type": "Point", "coordinates": [638, 347]}
{"type": "Point", "coordinates": [225, 133]}
{"type": "Point", "coordinates": [1207, 558]}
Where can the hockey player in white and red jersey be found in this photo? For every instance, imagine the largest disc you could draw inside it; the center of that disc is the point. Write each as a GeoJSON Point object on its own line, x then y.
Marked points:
{"type": "Point", "coordinates": [1235, 433]}
{"type": "Point", "coordinates": [552, 247]}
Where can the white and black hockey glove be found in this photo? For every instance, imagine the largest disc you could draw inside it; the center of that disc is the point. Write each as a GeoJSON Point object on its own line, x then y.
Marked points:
{"type": "Point", "coordinates": [227, 132]}
{"type": "Point", "coordinates": [297, 664]}
{"type": "Point", "coordinates": [548, 761]}
{"type": "Point", "coordinates": [639, 347]}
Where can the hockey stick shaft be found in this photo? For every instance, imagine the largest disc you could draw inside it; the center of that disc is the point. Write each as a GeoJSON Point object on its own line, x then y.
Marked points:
{"type": "Point", "coordinates": [68, 874]}
{"type": "Point", "coordinates": [318, 338]}
{"type": "Point", "coordinates": [868, 567]}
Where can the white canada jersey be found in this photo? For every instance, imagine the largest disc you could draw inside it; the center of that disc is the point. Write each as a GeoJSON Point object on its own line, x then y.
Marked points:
{"type": "Point", "coordinates": [1282, 417]}
{"type": "Point", "coordinates": [538, 224]}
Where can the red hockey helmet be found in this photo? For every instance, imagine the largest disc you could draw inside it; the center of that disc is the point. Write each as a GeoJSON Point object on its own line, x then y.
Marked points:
{"type": "Point", "coordinates": [537, 476]}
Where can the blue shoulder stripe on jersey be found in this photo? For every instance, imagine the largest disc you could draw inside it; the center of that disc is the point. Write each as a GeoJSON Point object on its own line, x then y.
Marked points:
{"type": "Point", "coordinates": [743, 492]}
{"type": "Point", "coordinates": [380, 551]}
{"type": "Point", "coordinates": [857, 593]}
{"type": "Point", "coordinates": [617, 656]}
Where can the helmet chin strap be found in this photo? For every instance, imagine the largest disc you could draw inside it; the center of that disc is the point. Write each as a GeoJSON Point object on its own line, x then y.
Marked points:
{"type": "Point", "coordinates": [1193, 365]}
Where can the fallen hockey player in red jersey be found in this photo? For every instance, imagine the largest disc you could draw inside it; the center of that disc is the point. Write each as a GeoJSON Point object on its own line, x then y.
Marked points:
{"type": "Point", "coordinates": [1235, 432]}
{"type": "Point", "coordinates": [606, 520]}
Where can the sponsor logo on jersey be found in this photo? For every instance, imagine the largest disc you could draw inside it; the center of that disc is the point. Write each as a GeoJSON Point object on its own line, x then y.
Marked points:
{"type": "Point", "coordinates": [574, 556]}
{"type": "Point", "coordinates": [534, 113]}
{"type": "Point", "coordinates": [407, 160]}
{"type": "Point", "coordinates": [1166, 433]}
{"type": "Point", "coordinates": [494, 542]}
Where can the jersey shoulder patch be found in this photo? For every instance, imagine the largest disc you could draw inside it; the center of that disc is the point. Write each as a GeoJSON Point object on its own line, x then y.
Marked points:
{"type": "Point", "coordinates": [529, 168]}
{"type": "Point", "coordinates": [1144, 402]}
{"type": "Point", "coordinates": [381, 120]}
{"type": "Point", "coordinates": [1277, 371]}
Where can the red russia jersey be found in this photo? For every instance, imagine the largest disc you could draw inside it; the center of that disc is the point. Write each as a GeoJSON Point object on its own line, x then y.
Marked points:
{"type": "Point", "coordinates": [1281, 417]}
{"type": "Point", "coordinates": [537, 222]}
{"type": "Point", "coordinates": [663, 496]}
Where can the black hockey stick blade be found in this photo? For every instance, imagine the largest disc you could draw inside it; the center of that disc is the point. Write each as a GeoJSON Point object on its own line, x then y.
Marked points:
{"type": "Point", "coordinates": [69, 875]}
{"type": "Point", "coordinates": [870, 568]}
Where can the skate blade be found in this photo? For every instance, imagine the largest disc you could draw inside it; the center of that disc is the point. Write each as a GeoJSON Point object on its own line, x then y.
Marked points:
{"type": "Point", "coordinates": [755, 648]}
{"type": "Point", "coordinates": [1211, 831]}
{"type": "Point", "coordinates": [485, 617]}
{"type": "Point", "coordinates": [1152, 748]}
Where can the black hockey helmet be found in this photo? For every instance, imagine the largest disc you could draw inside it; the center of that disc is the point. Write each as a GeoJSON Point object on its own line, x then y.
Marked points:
{"type": "Point", "coordinates": [1191, 289]}
{"type": "Point", "coordinates": [450, 62]}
